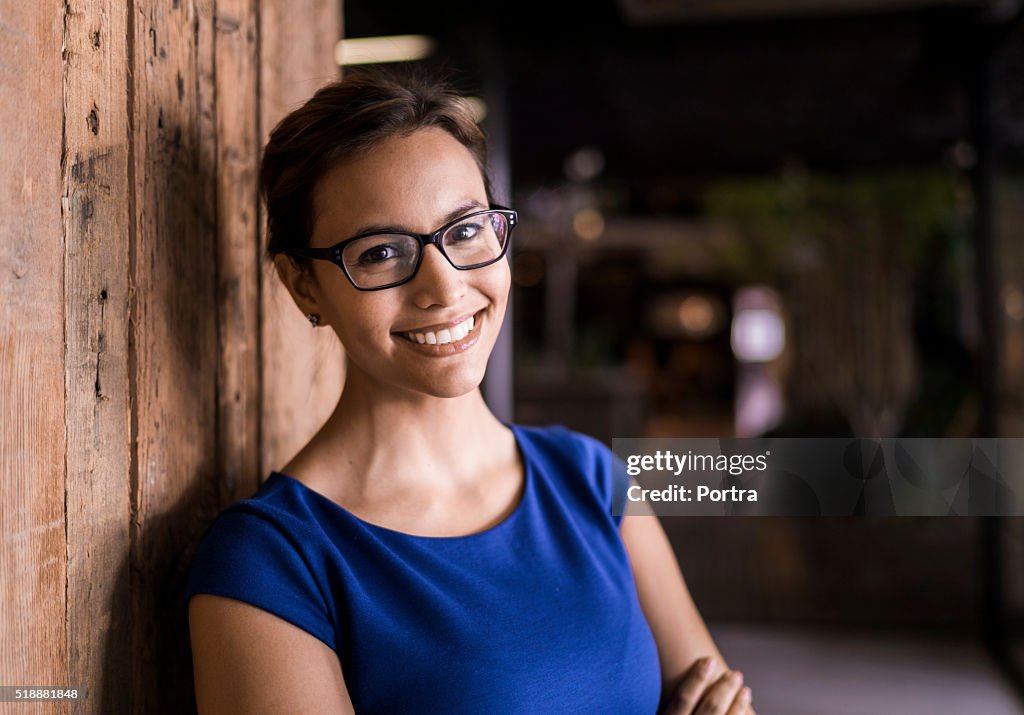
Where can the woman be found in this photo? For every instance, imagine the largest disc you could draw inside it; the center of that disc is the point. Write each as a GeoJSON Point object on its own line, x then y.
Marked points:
{"type": "Point", "coordinates": [418, 555]}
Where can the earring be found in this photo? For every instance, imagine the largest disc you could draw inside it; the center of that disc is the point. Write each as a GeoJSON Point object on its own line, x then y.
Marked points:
{"type": "Point", "coordinates": [314, 319]}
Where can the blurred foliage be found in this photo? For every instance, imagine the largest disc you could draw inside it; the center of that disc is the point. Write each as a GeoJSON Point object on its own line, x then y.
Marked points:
{"type": "Point", "coordinates": [800, 220]}
{"type": "Point", "coordinates": [867, 243]}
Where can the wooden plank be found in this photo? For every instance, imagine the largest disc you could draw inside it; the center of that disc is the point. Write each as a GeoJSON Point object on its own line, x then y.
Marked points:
{"type": "Point", "coordinates": [303, 369]}
{"type": "Point", "coordinates": [238, 255]}
{"type": "Point", "coordinates": [97, 200]}
{"type": "Point", "coordinates": [173, 333]}
{"type": "Point", "coordinates": [33, 648]}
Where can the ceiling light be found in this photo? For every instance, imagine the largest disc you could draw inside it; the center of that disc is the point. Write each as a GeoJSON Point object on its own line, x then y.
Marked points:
{"type": "Point", "coordinates": [378, 50]}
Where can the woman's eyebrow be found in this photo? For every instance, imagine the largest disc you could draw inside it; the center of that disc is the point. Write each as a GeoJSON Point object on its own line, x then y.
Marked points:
{"type": "Point", "coordinates": [464, 207]}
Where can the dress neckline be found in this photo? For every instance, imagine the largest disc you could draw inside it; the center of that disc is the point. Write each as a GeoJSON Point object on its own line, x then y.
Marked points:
{"type": "Point", "coordinates": [511, 517]}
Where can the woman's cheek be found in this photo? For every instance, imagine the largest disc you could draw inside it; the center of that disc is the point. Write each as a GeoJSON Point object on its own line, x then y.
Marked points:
{"type": "Point", "coordinates": [504, 280]}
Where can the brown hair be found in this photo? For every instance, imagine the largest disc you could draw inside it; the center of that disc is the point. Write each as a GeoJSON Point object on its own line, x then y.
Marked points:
{"type": "Point", "coordinates": [342, 119]}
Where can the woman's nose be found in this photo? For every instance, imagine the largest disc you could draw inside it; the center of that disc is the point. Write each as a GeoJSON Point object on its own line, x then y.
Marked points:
{"type": "Point", "coordinates": [438, 282]}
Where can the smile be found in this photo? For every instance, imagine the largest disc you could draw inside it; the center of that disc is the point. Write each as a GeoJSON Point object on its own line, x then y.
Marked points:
{"type": "Point", "coordinates": [442, 337]}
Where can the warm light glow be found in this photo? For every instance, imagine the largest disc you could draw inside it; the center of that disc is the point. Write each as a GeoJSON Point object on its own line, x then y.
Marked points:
{"type": "Point", "coordinates": [696, 315]}
{"type": "Point", "coordinates": [758, 335]}
{"type": "Point", "coordinates": [378, 50]}
{"type": "Point", "coordinates": [588, 224]}
{"type": "Point", "coordinates": [691, 315]}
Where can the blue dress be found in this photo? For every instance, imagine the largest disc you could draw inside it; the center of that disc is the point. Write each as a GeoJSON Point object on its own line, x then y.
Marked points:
{"type": "Point", "coordinates": [537, 614]}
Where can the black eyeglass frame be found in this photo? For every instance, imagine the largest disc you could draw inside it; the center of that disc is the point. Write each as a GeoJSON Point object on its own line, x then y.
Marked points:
{"type": "Point", "coordinates": [334, 253]}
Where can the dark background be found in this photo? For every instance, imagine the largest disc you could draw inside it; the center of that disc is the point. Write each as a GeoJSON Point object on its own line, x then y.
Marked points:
{"type": "Point", "coordinates": [862, 164]}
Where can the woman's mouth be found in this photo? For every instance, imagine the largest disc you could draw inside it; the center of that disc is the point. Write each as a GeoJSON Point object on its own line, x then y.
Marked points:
{"type": "Point", "coordinates": [442, 337]}
{"type": "Point", "coordinates": [447, 340]}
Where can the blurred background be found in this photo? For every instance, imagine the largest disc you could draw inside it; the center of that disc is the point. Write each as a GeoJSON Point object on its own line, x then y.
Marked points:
{"type": "Point", "coordinates": [771, 217]}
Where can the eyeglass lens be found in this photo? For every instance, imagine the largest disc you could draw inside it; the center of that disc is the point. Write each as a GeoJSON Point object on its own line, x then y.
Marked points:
{"type": "Point", "coordinates": [385, 258]}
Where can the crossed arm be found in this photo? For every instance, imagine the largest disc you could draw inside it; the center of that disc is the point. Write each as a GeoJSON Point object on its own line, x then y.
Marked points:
{"type": "Point", "coordinates": [691, 683]}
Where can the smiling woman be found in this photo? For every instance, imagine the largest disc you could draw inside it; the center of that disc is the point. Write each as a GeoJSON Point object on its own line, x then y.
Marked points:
{"type": "Point", "coordinates": [389, 283]}
{"type": "Point", "coordinates": [418, 555]}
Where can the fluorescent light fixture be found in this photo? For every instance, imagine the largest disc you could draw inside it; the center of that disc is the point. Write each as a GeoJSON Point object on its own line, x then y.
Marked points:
{"type": "Point", "coordinates": [378, 50]}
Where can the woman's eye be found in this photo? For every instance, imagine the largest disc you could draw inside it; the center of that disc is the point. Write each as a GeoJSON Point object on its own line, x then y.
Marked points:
{"type": "Point", "coordinates": [378, 254]}
{"type": "Point", "coordinates": [465, 232]}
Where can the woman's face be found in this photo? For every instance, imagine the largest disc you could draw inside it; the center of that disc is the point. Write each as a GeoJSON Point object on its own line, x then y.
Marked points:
{"type": "Point", "coordinates": [415, 183]}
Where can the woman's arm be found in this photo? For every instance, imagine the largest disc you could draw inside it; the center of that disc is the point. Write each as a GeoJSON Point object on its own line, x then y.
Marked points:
{"type": "Point", "coordinates": [247, 660]}
{"type": "Point", "coordinates": [678, 628]}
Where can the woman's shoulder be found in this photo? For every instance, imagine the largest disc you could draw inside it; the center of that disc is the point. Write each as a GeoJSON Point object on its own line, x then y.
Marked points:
{"type": "Point", "coordinates": [276, 514]}
{"type": "Point", "coordinates": [275, 500]}
{"type": "Point", "coordinates": [558, 441]}
{"type": "Point", "coordinates": [576, 459]}
{"type": "Point", "coordinates": [554, 434]}
{"type": "Point", "coordinates": [259, 550]}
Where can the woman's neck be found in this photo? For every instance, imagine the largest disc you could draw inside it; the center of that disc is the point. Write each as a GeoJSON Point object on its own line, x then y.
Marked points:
{"type": "Point", "coordinates": [390, 437]}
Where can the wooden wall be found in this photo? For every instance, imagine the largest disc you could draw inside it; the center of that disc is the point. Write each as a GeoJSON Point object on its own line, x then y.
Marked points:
{"type": "Point", "coordinates": [143, 382]}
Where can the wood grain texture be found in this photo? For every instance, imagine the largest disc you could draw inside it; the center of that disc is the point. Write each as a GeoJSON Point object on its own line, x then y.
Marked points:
{"type": "Point", "coordinates": [303, 369]}
{"type": "Point", "coordinates": [33, 563]}
{"type": "Point", "coordinates": [174, 334]}
{"type": "Point", "coordinates": [238, 255]}
{"type": "Point", "coordinates": [97, 201]}
{"type": "Point", "coordinates": [130, 313]}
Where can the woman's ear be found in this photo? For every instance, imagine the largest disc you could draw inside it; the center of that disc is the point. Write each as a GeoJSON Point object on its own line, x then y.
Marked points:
{"type": "Point", "coordinates": [300, 282]}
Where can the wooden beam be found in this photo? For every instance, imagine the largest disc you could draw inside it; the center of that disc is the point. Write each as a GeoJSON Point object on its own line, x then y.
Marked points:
{"type": "Point", "coordinates": [174, 332]}
{"type": "Point", "coordinates": [303, 369]}
{"type": "Point", "coordinates": [238, 255]}
{"type": "Point", "coordinates": [130, 309]}
{"type": "Point", "coordinates": [33, 563]}
{"type": "Point", "coordinates": [97, 200]}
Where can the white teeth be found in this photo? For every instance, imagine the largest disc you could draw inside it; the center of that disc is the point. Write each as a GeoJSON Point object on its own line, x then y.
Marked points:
{"type": "Point", "coordinates": [443, 337]}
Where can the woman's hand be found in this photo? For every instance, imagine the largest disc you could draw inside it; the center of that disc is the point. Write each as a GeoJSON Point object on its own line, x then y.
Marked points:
{"type": "Point", "coordinates": [699, 694]}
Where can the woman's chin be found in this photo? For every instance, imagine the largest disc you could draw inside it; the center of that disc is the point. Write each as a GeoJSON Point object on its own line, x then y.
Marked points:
{"type": "Point", "coordinates": [453, 386]}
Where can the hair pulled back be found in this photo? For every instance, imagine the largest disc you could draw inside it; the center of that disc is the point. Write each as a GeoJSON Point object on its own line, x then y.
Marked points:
{"type": "Point", "coordinates": [341, 120]}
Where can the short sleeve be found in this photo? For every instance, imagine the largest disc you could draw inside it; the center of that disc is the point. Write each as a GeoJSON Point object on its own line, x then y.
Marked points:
{"type": "Point", "coordinates": [249, 557]}
{"type": "Point", "coordinates": [606, 473]}
{"type": "Point", "coordinates": [619, 485]}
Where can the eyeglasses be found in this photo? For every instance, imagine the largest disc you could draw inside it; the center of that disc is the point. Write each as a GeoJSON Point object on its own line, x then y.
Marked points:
{"type": "Point", "coordinates": [374, 261]}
